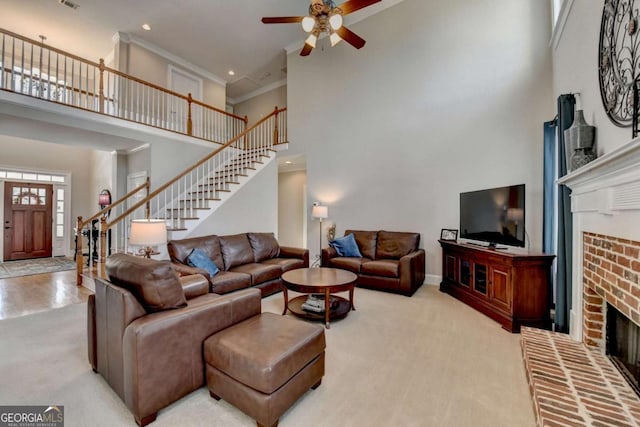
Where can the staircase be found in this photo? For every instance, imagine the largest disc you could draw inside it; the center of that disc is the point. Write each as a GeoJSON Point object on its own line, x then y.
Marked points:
{"type": "Point", "coordinates": [32, 69]}
{"type": "Point", "coordinates": [193, 195]}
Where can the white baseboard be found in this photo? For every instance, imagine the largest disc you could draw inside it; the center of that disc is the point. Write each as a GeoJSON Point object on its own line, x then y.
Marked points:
{"type": "Point", "coordinates": [432, 279]}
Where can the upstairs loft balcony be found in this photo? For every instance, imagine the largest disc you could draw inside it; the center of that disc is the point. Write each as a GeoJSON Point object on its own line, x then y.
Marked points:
{"type": "Point", "coordinates": [31, 72]}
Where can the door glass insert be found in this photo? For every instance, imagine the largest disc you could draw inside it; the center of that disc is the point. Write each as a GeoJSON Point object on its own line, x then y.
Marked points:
{"type": "Point", "coordinates": [465, 272]}
{"type": "Point", "coordinates": [480, 276]}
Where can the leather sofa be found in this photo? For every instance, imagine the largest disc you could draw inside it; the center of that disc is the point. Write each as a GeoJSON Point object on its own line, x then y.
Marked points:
{"type": "Point", "coordinates": [245, 260]}
{"type": "Point", "coordinates": [391, 261]}
{"type": "Point", "coordinates": [146, 328]}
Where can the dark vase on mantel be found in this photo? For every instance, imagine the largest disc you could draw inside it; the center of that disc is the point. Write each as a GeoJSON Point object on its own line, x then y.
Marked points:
{"type": "Point", "coordinates": [579, 140]}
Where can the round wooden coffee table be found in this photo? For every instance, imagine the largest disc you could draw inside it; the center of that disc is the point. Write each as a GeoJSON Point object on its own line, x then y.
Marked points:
{"type": "Point", "coordinates": [322, 281]}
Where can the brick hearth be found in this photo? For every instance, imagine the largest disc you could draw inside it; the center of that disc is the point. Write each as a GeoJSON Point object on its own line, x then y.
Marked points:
{"type": "Point", "coordinates": [573, 385]}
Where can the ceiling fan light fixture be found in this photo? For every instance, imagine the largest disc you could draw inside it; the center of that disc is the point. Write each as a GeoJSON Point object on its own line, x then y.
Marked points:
{"type": "Point", "coordinates": [308, 23]}
{"type": "Point", "coordinates": [311, 40]}
{"type": "Point", "coordinates": [334, 38]}
{"type": "Point", "coordinates": [335, 21]}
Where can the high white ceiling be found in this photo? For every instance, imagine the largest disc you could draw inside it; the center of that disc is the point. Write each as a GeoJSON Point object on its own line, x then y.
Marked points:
{"type": "Point", "coordinates": [216, 35]}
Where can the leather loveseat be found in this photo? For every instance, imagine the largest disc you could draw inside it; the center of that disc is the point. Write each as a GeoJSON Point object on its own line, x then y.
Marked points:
{"type": "Point", "coordinates": [391, 261]}
{"type": "Point", "coordinates": [244, 260]}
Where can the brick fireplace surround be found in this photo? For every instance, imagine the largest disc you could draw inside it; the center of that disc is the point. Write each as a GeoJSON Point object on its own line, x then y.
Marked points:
{"type": "Point", "coordinates": [571, 381]}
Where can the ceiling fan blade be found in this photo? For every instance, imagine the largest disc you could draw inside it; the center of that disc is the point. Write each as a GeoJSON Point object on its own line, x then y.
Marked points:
{"type": "Point", "coordinates": [282, 19]}
{"type": "Point", "coordinates": [350, 37]}
{"type": "Point", "coordinates": [351, 6]}
{"type": "Point", "coordinates": [306, 50]}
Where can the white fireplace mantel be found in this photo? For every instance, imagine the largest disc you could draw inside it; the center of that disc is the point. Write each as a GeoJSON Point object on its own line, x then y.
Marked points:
{"type": "Point", "coordinates": [605, 199]}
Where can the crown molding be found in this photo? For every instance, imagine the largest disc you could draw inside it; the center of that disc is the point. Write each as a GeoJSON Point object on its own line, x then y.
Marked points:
{"type": "Point", "coordinates": [257, 92]}
{"type": "Point", "coordinates": [363, 14]}
{"type": "Point", "coordinates": [138, 148]}
{"type": "Point", "coordinates": [130, 38]}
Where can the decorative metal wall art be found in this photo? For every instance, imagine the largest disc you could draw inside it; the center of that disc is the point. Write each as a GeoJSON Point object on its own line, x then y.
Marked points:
{"type": "Point", "coordinates": [618, 59]}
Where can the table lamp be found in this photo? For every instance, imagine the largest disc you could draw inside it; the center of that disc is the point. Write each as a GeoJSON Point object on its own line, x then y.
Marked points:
{"type": "Point", "coordinates": [148, 233]}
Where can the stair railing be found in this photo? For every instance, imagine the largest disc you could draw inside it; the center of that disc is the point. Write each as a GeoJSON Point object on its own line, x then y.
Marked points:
{"type": "Point", "coordinates": [118, 205]}
{"type": "Point", "coordinates": [34, 69]}
{"type": "Point", "coordinates": [198, 186]}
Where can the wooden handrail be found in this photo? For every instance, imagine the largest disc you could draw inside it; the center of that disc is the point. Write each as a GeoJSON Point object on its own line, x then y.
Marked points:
{"type": "Point", "coordinates": [102, 214]}
{"type": "Point", "coordinates": [46, 46]}
{"type": "Point", "coordinates": [118, 202]}
{"type": "Point", "coordinates": [116, 72]}
{"type": "Point", "coordinates": [191, 168]}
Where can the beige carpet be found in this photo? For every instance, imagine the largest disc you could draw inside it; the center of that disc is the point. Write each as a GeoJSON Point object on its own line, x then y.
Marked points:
{"type": "Point", "coordinates": [428, 360]}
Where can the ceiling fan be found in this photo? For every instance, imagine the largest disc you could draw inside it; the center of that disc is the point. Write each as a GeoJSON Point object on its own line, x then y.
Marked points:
{"type": "Point", "coordinates": [325, 17]}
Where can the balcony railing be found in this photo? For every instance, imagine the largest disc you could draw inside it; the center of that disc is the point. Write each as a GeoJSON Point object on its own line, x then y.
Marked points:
{"type": "Point", "coordinates": [34, 69]}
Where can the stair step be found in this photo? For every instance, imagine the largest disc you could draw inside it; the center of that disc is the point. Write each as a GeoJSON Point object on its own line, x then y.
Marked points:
{"type": "Point", "coordinates": [187, 209]}
{"type": "Point", "coordinates": [176, 229]}
{"type": "Point", "coordinates": [201, 192]}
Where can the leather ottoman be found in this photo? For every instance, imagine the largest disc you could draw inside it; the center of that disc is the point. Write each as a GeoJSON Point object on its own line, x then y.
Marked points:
{"type": "Point", "coordinates": [264, 364]}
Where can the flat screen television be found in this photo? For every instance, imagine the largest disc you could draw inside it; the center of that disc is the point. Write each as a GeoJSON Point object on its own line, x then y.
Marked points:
{"type": "Point", "coordinates": [494, 215]}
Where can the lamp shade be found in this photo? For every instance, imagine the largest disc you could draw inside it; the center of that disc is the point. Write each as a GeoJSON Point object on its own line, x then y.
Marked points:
{"type": "Point", "coordinates": [148, 232]}
{"type": "Point", "coordinates": [308, 23]}
{"type": "Point", "coordinates": [320, 212]}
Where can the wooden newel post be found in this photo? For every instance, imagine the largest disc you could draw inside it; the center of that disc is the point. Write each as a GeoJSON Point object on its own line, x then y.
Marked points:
{"type": "Point", "coordinates": [147, 205]}
{"type": "Point", "coordinates": [79, 261]}
{"type": "Point", "coordinates": [103, 247]}
{"type": "Point", "coordinates": [101, 87]}
{"type": "Point", "coordinates": [275, 128]}
{"type": "Point", "coordinates": [189, 122]}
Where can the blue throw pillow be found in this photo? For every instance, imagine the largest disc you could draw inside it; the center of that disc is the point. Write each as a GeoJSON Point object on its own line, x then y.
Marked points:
{"type": "Point", "coordinates": [197, 258]}
{"type": "Point", "coordinates": [346, 246]}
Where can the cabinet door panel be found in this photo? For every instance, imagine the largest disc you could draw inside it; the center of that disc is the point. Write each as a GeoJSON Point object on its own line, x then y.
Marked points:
{"type": "Point", "coordinates": [451, 268]}
{"type": "Point", "coordinates": [465, 272]}
{"type": "Point", "coordinates": [501, 287]}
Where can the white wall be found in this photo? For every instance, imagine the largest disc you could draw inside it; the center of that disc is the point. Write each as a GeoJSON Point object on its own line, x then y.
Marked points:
{"type": "Point", "coordinates": [575, 70]}
{"type": "Point", "coordinates": [254, 207]}
{"type": "Point", "coordinates": [262, 105]}
{"type": "Point", "coordinates": [154, 68]}
{"type": "Point", "coordinates": [445, 97]}
{"type": "Point", "coordinates": [102, 176]}
{"type": "Point", "coordinates": [291, 202]}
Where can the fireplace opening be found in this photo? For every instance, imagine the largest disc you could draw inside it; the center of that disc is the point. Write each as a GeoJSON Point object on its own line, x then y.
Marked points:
{"type": "Point", "coordinates": [623, 345]}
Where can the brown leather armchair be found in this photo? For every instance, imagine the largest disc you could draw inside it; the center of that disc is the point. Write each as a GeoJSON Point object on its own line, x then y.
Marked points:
{"type": "Point", "coordinates": [146, 328]}
{"type": "Point", "coordinates": [391, 261]}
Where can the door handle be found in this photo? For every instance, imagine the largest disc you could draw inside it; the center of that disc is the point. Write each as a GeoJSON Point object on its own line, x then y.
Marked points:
{"type": "Point", "coordinates": [6, 228]}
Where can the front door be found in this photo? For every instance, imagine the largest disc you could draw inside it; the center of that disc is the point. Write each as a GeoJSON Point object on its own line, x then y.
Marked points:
{"type": "Point", "coordinates": [27, 220]}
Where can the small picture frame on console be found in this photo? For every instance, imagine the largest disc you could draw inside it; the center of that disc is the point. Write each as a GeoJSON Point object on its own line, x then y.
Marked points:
{"type": "Point", "coordinates": [449, 234]}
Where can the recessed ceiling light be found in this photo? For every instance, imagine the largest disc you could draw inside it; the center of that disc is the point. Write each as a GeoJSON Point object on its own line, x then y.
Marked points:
{"type": "Point", "coordinates": [232, 73]}
{"type": "Point", "coordinates": [146, 27]}
{"type": "Point", "coordinates": [289, 162]}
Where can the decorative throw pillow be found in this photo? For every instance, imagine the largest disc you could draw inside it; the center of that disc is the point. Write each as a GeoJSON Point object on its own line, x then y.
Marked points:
{"type": "Point", "coordinates": [154, 283]}
{"type": "Point", "coordinates": [199, 259]}
{"type": "Point", "coordinates": [346, 246]}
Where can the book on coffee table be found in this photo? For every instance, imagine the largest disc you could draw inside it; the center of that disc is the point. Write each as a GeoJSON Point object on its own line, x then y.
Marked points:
{"type": "Point", "coordinates": [315, 303]}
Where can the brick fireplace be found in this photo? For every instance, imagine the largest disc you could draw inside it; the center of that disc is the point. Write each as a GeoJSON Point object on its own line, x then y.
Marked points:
{"type": "Point", "coordinates": [611, 268]}
{"type": "Point", "coordinates": [572, 382]}
{"type": "Point", "coordinates": [605, 202]}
